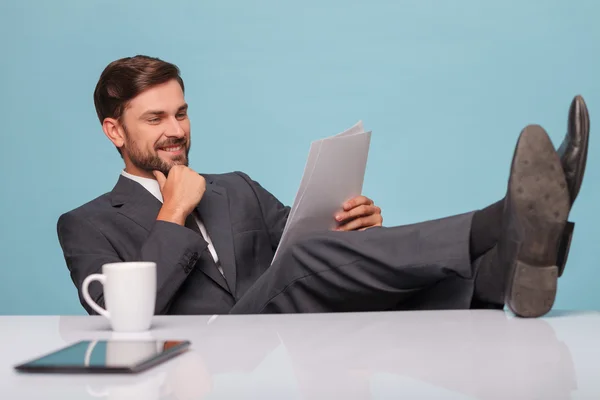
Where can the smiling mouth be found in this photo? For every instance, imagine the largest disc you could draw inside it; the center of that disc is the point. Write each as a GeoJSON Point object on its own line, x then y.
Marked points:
{"type": "Point", "coordinates": [172, 149]}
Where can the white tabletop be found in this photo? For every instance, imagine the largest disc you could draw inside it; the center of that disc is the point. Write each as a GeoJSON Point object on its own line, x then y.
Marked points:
{"type": "Point", "coordinates": [425, 355]}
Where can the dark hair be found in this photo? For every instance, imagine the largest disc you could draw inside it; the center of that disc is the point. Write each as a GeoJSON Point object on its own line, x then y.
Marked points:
{"type": "Point", "coordinates": [124, 79]}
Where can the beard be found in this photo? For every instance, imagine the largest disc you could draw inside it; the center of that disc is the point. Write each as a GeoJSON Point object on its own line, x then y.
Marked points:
{"type": "Point", "coordinates": [150, 161]}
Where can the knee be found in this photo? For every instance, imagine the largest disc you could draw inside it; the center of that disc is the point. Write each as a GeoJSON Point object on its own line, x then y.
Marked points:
{"type": "Point", "coordinates": [300, 246]}
{"type": "Point", "coordinates": [307, 242]}
{"type": "Point", "coordinates": [314, 248]}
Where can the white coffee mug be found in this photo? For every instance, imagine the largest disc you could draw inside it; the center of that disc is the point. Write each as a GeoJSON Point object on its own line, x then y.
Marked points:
{"type": "Point", "coordinates": [129, 294]}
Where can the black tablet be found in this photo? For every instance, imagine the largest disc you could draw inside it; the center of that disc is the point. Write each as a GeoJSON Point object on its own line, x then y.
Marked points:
{"type": "Point", "coordinates": [106, 356]}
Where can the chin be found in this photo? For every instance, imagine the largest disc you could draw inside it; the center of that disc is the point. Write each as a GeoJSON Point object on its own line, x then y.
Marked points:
{"type": "Point", "coordinates": [172, 163]}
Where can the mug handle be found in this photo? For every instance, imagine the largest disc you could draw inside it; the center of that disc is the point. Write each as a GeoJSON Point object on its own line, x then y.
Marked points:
{"type": "Point", "coordinates": [86, 294]}
{"type": "Point", "coordinates": [86, 362]}
{"type": "Point", "coordinates": [88, 353]}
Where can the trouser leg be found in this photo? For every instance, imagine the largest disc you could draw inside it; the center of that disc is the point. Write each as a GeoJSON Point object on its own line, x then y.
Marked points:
{"type": "Point", "coordinates": [373, 270]}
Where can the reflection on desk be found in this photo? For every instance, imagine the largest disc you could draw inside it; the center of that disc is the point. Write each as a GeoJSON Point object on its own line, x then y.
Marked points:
{"type": "Point", "coordinates": [480, 354]}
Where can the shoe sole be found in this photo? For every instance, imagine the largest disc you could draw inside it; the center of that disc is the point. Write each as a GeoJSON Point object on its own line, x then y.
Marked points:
{"type": "Point", "coordinates": [538, 206]}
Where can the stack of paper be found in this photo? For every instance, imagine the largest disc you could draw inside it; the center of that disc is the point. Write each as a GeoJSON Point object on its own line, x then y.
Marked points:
{"type": "Point", "coordinates": [334, 173]}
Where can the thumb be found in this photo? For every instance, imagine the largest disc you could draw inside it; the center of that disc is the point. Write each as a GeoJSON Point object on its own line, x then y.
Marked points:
{"type": "Point", "coordinates": [160, 177]}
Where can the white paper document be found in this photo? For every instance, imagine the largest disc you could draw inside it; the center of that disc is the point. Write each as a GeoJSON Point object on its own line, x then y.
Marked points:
{"type": "Point", "coordinates": [334, 173]}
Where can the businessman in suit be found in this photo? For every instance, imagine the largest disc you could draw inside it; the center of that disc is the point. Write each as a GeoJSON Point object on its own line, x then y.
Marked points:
{"type": "Point", "coordinates": [213, 237]}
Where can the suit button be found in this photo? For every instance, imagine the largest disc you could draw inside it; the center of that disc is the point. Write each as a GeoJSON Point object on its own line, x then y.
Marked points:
{"type": "Point", "coordinates": [191, 263]}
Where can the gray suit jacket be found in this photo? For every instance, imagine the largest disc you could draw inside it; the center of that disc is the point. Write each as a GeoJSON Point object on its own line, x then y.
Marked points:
{"type": "Point", "coordinates": [244, 221]}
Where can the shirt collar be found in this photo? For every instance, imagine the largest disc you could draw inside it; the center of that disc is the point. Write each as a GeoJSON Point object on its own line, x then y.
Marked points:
{"type": "Point", "coordinates": [150, 185]}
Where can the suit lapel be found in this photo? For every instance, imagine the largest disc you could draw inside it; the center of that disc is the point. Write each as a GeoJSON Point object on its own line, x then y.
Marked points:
{"type": "Point", "coordinates": [214, 213]}
{"type": "Point", "coordinates": [136, 203]}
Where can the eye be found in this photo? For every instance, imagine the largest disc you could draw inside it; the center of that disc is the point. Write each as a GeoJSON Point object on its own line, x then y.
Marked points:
{"type": "Point", "coordinates": [181, 115]}
{"type": "Point", "coordinates": [154, 120]}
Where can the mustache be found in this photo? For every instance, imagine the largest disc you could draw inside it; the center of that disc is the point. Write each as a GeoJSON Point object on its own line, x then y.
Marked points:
{"type": "Point", "coordinates": [171, 142]}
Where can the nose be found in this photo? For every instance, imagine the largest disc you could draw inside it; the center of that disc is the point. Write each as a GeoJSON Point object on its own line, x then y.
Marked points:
{"type": "Point", "coordinates": [175, 129]}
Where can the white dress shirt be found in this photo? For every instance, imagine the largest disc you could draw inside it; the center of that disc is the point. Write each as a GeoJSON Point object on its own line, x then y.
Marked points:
{"type": "Point", "coordinates": [153, 187]}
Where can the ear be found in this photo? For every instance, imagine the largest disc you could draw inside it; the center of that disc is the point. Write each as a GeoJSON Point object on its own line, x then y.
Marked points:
{"type": "Point", "coordinates": [113, 131]}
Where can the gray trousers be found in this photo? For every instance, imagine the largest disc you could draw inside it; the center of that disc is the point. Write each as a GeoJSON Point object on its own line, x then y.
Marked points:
{"type": "Point", "coordinates": [419, 266]}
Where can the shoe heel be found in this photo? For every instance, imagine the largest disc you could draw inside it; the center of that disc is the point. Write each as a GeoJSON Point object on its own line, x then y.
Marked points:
{"type": "Point", "coordinates": [533, 290]}
{"type": "Point", "coordinates": [564, 247]}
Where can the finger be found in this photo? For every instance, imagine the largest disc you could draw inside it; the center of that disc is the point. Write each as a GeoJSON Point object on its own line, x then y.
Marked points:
{"type": "Point", "coordinates": [369, 227]}
{"type": "Point", "coordinates": [359, 211]}
{"type": "Point", "coordinates": [355, 202]}
{"type": "Point", "coordinates": [363, 222]}
{"type": "Point", "coordinates": [160, 177]}
{"type": "Point", "coordinates": [357, 224]}
{"type": "Point", "coordinates": [352, 225]}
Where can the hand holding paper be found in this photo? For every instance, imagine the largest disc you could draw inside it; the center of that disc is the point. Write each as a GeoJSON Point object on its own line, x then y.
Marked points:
{"type": "Point", "coordinates": [359, 213]}
{"type": "Point", "coordinates": [333, 174]}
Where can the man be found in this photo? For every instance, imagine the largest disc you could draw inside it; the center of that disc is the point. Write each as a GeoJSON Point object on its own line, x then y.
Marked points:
{"type": "Point", "coordinates": [213, 237]}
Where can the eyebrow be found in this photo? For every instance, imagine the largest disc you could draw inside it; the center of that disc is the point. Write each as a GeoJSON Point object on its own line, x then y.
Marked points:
{"type": "Point", "coordinates": [161, 113]}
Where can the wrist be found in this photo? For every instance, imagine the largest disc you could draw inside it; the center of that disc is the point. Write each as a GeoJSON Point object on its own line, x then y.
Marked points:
{"type": "Point", "coordinates": [174, 215]}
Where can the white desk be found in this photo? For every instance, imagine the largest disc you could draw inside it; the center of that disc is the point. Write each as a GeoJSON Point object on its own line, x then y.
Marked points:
{"type": "Point", "coordinates": [425, 355]}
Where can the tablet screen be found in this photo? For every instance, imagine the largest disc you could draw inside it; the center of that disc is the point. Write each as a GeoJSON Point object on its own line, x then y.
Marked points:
{"type": "Point", "coordinates": [107, 355]}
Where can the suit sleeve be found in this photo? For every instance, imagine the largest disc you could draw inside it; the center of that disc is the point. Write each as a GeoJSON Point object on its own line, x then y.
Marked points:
{"type": "Point", "coordinates": [174, 248]}
{"type": "Point", "coordinates": [274, 213]}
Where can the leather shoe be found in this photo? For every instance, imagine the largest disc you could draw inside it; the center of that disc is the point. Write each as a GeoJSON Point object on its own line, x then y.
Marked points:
{"type": "Point", "coordinates": [574, 147]}
{"type": "Point", "coordinates": [520, 271]}
{"type": "Point", "coordinates": [573, 157]}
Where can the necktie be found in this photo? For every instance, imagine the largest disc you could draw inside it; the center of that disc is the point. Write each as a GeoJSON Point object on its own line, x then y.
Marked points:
{"type": "Point", "coordinates": [190, 222]}
{"type": "Point", "coordinates": [206, 256]}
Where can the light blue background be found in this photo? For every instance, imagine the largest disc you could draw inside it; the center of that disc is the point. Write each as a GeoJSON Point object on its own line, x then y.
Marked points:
{"type": "Point", "coordinates": [446, 87]}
